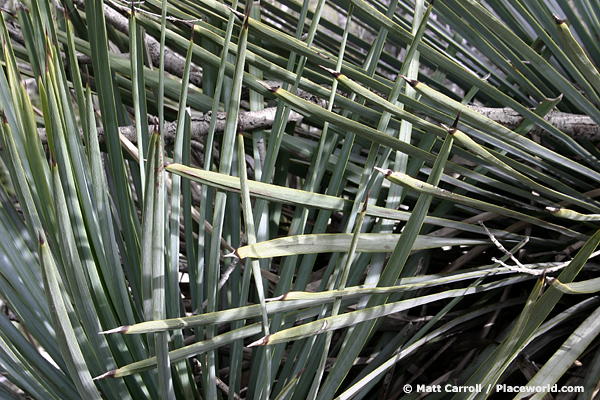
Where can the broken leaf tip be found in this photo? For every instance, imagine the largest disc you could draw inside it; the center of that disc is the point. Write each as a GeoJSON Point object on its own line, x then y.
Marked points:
{"type": "Point", "coordinates": [268, 87]}
{"type": "Point", "coordinates": [260, 342]}
{"type": "Point", "coordinates": [331, 71]}
{"type": "Point", "coordinates": [386, 172]}
{"type": "Point", "coordinates": [278, 298]}
{"type": "Point", "coordinates": [558, 20]}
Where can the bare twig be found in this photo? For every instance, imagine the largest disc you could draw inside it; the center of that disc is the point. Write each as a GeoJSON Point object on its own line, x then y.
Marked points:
{"type": "Point", "coordinates": [519, 267]}
{"type": "Point", "coordinates": [223, 386]}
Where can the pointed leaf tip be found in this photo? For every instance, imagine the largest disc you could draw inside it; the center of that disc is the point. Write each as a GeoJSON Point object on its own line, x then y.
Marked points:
{"type": "Point", "coordinates": [411, 82]}
{"type": "Point", "coordinates": [109, 374]}
{"type": "Point", "coordinates": [12, 13]}
{"type": "Point", "coordinates": [65, 10]}
{"type": "Point", "coordinates": [558, 98]}
{"type": "Point", "coordinates": [238, 14]}
{"type": "Point", "coordinates": [120, 329]}
{"type": "Point", "coordinates": [330, 70]}
{"type": "Point", "coordinates": [366, 203]}
{"type": "Point", "coordinates": [452, 130]}
{"type": "Point", "coordinates": [87, 77]}
{"type": "Point", "coordinates": [260, 342]}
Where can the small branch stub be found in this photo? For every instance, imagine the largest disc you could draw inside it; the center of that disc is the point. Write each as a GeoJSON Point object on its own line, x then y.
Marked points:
{"type": "Point", "coordinates": [232, 255]}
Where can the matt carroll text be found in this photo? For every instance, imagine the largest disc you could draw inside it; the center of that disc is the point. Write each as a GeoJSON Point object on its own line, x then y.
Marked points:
{"type": "Point", "coordinates": [449, 388]}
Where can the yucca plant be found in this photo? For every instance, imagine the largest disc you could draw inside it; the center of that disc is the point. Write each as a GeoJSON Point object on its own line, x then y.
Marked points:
{"type": "Point", "coordinates": [278, 200]}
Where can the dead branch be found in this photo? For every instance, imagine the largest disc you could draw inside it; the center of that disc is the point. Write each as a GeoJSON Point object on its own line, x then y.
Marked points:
{"type": "Point", "coordinates": [174, 62]}
{"type": "Point", "coordinates": [575, 125]}
{"type": "Point", "coordinates": [247, 121]}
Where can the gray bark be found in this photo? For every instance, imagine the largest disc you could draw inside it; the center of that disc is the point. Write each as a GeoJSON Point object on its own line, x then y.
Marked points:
{"type": "Point", "coordinates": [247, 120]}
{"type": "Point", "coordinates": [174, 62]}
{"type": "Point", "coordinates": [575, 125]}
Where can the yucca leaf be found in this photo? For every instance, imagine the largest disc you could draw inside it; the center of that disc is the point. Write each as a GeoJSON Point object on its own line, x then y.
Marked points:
{"type": "Point", "coordinates": [329, 243]}
{"type": "Point", "coordinates": [544, 305]}
{"type": "Point", "coordinates": [185, 352]}
{"type": "Point", "coordinates": [314, 111]}
{"type": "Point", "coordinates": [308, 300]}
{"type": "Point", "coordinates": [76, 363]}
{"type": "Point", "coordinates": [98, 50]}
{"type": "Point", "coordinates": [28, 375]}
{"type": "Point", "coordinates": [572, 215]}
{"type": "Point", "coordinates": [477, 149]}
{"type": "Point", "coordinates": [527, 172]}
{"type": "Point", "coordinates": [352, 318]}
{"type": "Point", "coordinates": [407, 351]}
{"type": "Point", "coordinates": [391, 273]}
{"type": "Point", "coordinates": [255, 265]}
{"type": "Point", "coordinates": [583, 287]}
{"type": "Point", "coordinates": [139, 101]}
{"type": "Point", "coordinates": [497, 129]}
{"type": "Point", "coordinates": [495, 367]}
{"type": "Point", "coordinates": [424, 187]}
{"type": "Point", "coordinates": [147, 224]}
{"type": "Point", "coordinates": [568, 353]}
{"type": "Point", "coordinates": [17, 172]}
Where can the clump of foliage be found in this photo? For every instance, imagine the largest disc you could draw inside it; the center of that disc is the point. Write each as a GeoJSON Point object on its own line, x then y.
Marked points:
{"type": "Point", "coordinates": [288, 201]}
